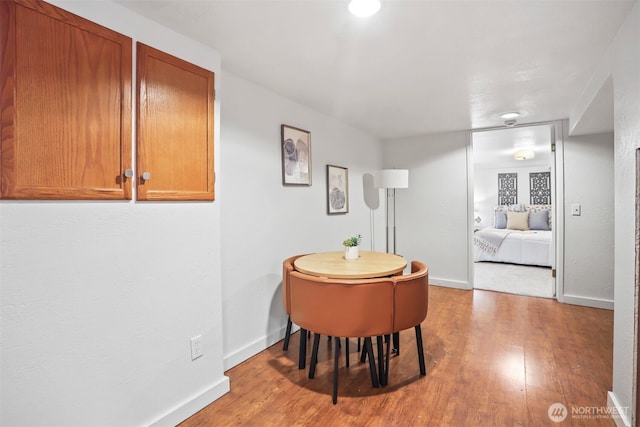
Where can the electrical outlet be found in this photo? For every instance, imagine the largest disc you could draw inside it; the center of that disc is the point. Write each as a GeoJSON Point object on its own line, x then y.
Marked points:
{"type": "Point", "coordinates": [196, 347]}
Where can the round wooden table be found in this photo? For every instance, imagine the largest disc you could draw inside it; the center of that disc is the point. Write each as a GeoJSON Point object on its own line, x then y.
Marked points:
{"type": "Point", "coordinates": [367, 266]}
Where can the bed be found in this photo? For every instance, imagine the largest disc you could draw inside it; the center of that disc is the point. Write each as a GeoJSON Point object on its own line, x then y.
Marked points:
{"type": "Point", "coordinates": [521, 234]}
{"type": "Point", "coordinates": [527, 247]}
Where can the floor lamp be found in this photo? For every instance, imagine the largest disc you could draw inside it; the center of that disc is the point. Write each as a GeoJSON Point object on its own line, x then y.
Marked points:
{"type": "Point", "coordinates": [390, 179]}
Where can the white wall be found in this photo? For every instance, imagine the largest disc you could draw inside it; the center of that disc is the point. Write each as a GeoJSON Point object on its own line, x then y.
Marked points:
{"type": "Point", "coordinates": [589, 242]}
{"type": "Point", "coordinates": [626, 82]}
{"type": "Point", "coordinates": [264, 222]}
{"type": "Point", "coordinates": [622, 63]}
{"type": "Point", "coordinates": [432, 216]}
{"type": "Point", "coordinates": [100, 299]}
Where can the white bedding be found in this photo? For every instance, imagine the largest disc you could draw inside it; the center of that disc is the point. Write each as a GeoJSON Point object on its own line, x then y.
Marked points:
{"type": "Point", "coordinates": [531, 247]}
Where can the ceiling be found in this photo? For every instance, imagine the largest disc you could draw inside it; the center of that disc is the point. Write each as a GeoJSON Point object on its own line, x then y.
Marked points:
{"type": "Point", "coordinates": [495, 148]}
{"type": "Point", "coordinates": [416, 67]}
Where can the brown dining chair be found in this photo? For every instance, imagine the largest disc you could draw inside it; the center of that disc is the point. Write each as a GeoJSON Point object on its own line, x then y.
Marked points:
{"type": "Point", "coordinates": [342, 308]}
{"type": "Point", "coordinates": [287, 267]}
{"type": "Point", "coordinates": [410, 305]}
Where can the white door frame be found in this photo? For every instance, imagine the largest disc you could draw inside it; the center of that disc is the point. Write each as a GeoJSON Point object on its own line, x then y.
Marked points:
{"type": "Point", "coordinates": [557, 201]}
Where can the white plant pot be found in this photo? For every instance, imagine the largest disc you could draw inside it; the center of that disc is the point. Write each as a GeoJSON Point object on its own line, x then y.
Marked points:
{"type": "Point", "coordinates": [351, 252]}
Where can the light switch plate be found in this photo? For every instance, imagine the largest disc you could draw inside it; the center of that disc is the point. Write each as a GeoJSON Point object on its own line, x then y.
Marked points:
{"type": "Point", "coordinates": [576, 209]}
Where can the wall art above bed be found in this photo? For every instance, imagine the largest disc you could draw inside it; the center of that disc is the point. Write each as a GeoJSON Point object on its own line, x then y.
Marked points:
{"type": "Point", "coordinates": [540, 188]}
{"type": "Point", "coordinates": [507, 188]}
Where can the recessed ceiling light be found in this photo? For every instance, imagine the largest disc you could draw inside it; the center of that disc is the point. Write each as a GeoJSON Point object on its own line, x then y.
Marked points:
{"type": "Point", "coordinates": [510, 115]}
{"type": "Point", "coordinates": [364, 8]}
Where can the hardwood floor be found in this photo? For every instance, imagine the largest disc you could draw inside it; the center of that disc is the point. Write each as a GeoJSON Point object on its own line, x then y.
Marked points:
{"type": "Point", "coordinates": [493, 359]}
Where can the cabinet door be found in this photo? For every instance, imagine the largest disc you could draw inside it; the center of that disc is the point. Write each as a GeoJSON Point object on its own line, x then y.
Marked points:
{"type": "Point", "coordinates": [66, 105]}
{"type": "Point", "coordinates": [174, 128]}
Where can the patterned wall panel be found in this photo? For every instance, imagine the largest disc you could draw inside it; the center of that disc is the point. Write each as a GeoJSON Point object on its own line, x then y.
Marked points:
{"type": "Point", "coordinates": [507, 188]}
{"type": "Point", "coordinates": [540, 188]}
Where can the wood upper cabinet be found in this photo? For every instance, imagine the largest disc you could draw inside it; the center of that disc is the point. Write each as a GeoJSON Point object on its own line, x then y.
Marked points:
{"type": "Point", "coordinates": [65, 117]}
{"type": "Point", "coordinates": [174, 128]}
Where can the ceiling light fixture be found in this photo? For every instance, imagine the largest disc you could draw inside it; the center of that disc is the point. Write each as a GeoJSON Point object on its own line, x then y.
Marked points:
{"type": "Point", "coordinates": [524, 154]}
{"type": "Point", "coordinates": [510, 115]}
{"type": "Point", "coordinates": [364, 8]}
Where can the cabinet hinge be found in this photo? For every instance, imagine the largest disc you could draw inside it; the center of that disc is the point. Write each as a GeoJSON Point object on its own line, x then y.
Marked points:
{"type": "Point", "coordinates": [553, 147]}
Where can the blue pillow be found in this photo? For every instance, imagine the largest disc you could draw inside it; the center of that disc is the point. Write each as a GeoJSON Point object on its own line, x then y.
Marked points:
{"type": "Point", "coordinates": [539, 220]}
{"type": "Point", "coordinates": [500, 220]}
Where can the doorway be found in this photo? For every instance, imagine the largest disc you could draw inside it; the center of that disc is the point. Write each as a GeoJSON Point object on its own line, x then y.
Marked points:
{"type": "Point", "coordinates": [513, 243]}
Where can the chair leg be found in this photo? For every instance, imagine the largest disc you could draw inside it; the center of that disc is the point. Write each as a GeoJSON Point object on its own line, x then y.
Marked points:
{"type": "Point", "coordinates": [396, 343]}
{"type": "Point", "coordinates": [363, 355]}
{"type": "Point", "coordinates": [314, 356]}
{"type": "Point", "coordinates": [287, 335]}
{"type": "Point", "coordinates": [380, 361]}
{"type": "Point", "coordinates": [386, 362]}
{"type": "Point", "coordinates": [423, 371]}
{"type": "Point", "coordinates": [335, 372]}
{"type": "Point", "coordinates": [368, 349]}
{"type": "Point", "coordinates": [346, 346]}
{"type": "Point", "coordinates": [302, 359]}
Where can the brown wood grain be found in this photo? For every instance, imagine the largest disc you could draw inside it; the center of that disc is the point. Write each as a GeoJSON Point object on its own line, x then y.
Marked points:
{"type": "Point", "coordinates": [175, 127]}
{"type": "Point", "coordinates": [66, 105]}
{"type": "Point", "coordinates": [493, 359]}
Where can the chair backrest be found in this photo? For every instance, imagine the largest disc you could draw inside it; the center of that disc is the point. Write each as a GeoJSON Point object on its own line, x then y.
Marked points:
{"type": "Point", "coordinates": [342, 307]}
{"type": "Point", "coordinates": [287, 268]}
{"type": "Point", "coordinates": [411, 297]}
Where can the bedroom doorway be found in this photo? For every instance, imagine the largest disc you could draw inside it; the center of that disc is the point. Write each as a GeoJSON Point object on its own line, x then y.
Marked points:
{"type": "Point", "coordinates": [513, 243]}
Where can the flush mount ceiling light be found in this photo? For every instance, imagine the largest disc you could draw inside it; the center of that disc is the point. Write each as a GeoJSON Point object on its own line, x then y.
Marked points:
{"type": "Point", "coordinates": [364, 8]}
{"type": "Point", "coordinates": [510, 115]}
{"type": "Point", "coordinates": [524, 154]}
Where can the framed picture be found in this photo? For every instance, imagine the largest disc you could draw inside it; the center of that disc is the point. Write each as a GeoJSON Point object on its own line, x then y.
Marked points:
{"type": "Point", "coordinates": [296, 156]}
{"type": "Point", "coordinates": [337, 190]}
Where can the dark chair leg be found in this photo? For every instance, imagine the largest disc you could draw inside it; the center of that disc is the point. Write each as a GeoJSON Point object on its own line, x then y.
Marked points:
{"type": "Point", "coordinates": [423, 371]}
{"type": "Point", "coordinates": [358, 344]}
{"type": "Point", "coordinates": [386, 363]}
{"type": "Point", "coordinates": [335, 372]}
{"type": "Point", "coordinates": [368, 349]}
{"type": "Point", "coordinates": [287, 335]}
{"type": "Point", "coordinates": [380, 361]}
{"type": "Point", "coordinates": [314, 356]}
{"type": "Point", "coordinates": [396, 342]}
{"type": "Point", "coordinates": [302, 359]}
{"type": "Point", "coordinates": [346, 346]}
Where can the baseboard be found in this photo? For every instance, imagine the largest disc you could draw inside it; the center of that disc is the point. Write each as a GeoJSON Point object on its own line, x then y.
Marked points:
{"type": "Point", "coordinates": [587, 302]}
{"type": "Point", "coordinates": [255, 347]}
{"type": "Point", "coordinates": [621, 416]}
{"type": "Point", "coordinates": [449, 283]}
{"type": "Point", "coordinates": [190, 407]}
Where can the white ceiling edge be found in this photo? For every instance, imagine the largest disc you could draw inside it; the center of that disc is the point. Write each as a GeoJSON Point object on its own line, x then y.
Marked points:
{"type": "Point", "coordinates": [593, 113]}
{"type": "Point", "coordinates": [598, 116]}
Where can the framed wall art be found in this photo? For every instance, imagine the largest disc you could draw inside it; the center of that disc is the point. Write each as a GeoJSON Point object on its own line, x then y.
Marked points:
{"type": "Point", "coordinates": [296, 156]}
{"type": "Point", "coordinates": [337, 190]}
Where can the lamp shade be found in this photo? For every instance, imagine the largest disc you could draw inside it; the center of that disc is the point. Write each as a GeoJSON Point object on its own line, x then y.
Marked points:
{"type": "Point", "coordinates": [391, 178]}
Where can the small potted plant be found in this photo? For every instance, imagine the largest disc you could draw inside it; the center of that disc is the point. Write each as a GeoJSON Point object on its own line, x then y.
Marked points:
{"type": "Point", "coordinates": [351, 247]}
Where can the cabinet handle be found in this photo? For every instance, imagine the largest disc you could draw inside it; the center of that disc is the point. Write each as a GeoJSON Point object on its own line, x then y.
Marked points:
{"type": "Point", "coordinates": [128, 173]}
{"type": "Point", "coordinates": [146, 176]}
